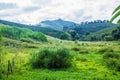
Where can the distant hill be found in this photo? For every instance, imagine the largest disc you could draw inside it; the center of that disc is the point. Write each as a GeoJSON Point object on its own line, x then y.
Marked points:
{"type": "Point", "coordinates": [83, 31]}
{"type": "Point", "coordinates": [57, 24]}
{"type": "Point", "coordinates": [45, 30]}
{"type": "Point", "coordinates": [88, 27]}
{"type": "Point", "coordinates": [101, 33]}
{"type": "Point", "coordinates": [56, 28]}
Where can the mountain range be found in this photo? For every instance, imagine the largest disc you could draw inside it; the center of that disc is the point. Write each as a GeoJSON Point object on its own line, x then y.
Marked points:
{"type": "Point", "coordinates": [58, 24]}
{"type": "Point", "coordinates": [56, 28]}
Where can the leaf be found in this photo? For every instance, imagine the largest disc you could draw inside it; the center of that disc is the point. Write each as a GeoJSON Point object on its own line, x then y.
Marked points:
{"type": "Point", "coordinates": [116, 9]}
{"type": "Point", "coordinates": [115, 16]}
{"type": "Point", "coordinates": [118, 21]}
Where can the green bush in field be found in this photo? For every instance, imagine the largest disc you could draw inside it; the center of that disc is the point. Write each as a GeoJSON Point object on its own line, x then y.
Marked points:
{"type": "Point", "coordinates": [105, 50]}
{"type": "Point", "coordinates": [112, 60]}
{"type": "Point", "coordinates": [76, 49]}
{"type": "Point", "coordinates": [46, 58]}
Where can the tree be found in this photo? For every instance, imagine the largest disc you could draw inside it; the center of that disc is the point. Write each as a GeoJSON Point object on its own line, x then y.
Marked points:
{"type": "Point", "coordinates": [65, 36]}
{"type": "Point", "coordinates": [116, 13]}
{"type": "Point", "coordinates": [108, 38]}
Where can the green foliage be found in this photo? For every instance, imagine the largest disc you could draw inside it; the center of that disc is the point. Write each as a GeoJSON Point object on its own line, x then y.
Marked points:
{"type": "Point", "coordinates": [116, 33]}
{"type": "Point", "coordinates": [116, 13]}
{"type": "Point", "coordinates": [22, 34]}
{"type": "Point", "coordinates": [0, 59]}
{"type": "Point", "coordinates": [60, 58]}
{"type": "Point", "coordinates": [101, 34]}
{"type": "Point", "coordinates": [108, 38]}
{"type": "Point", "coordinates": [76, 49]}
{"type": "Point", "coordinates": [0, 55]}
{"type": "Point", "coordinates": [105, 50]}
{"type": "Point", "coordinates": [65, 36]}
{"type": "Point", "coordinates": [112, 60]}
{"type": "Point", "coordinates": [38, 36]}
{"type": "Point", "coordinates": [84, 52]}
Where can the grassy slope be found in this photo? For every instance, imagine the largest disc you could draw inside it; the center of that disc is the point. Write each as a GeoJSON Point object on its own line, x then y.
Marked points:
{"type": "Point", "coordinates": [92, 68]}
{"type": "Point", "coordinates": [101, 32]}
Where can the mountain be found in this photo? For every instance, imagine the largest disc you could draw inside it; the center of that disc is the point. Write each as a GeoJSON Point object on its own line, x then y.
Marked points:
{"type": "Point", "coordinates": [57, 24]}
{"type": "Point", "coordinates": [81, 31]}
{"type": "Point", "coordinates": [45, 30]}
{"type": "Point", "coordinates": [56, 28]}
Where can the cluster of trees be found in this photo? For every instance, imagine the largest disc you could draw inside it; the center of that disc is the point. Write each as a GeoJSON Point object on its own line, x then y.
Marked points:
{"type": "Point", "coordinates": [116, 34]}
{"type": "Point", "coordinates": [95, 21]}
{"type": "Point", "coordinates": [71, 35]}
{"type": "Point", "coordinates": [22, 33]}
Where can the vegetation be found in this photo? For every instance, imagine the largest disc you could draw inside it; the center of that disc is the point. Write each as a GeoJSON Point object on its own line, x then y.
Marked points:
{"type": "Point", "coordinates": [45, 30]}
{"type": "Point", "coordinates": [0, 56]}
{"type": "Point", "coordinates": [77, 31]}
{"type": "Point", "coordinates": [22, 34]}
{"type": "Point", "coordinates": [89, 61]}
{"type": "Point", "coordinates": [115, 14]}
{"type": "Point", "coordinates": [112, 60]}
{"type": "Point", "coordinates": [30, 55]}
{"type": "Point", "coordinates": [65, 36]}
{"type": "Point", "coordinates": [54, 59]}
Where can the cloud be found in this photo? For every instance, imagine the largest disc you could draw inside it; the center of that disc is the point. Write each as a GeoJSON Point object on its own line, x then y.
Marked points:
{"type": "Point", "coordinates": [31, 9]}
{"type": "Point", "coordinates": [35, 11]}
{"type": "Point", "coordinates": [7, 6]}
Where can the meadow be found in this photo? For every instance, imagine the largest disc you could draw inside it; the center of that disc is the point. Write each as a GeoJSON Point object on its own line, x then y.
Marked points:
{"type": "Point", "coordinates": [88, 61]}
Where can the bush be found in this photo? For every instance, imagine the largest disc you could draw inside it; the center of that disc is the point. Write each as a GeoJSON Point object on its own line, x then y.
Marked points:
{"type": "Point", "coordinates": [47, 58]}
{"type": "Point", "coordinates": [65, 36]}
{"type": "Point", "coordinates": [76, 49]}
{"type": "Point", "coordinates": [84, 52]}
{"type": "Point", "coordinates": [111, 55]}
{"type": "Point", "coordinates": [104, 50]}
{"type": "Point", "coordinates": [81, 58]}
{"type": "Point", "coordinates": [112, 60]}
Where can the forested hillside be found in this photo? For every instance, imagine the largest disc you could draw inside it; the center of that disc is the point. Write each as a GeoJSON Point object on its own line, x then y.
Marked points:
{"type": "Point", "coordinates": [22, 34]}
{"type": "Point", "coordinates": [45, 30]}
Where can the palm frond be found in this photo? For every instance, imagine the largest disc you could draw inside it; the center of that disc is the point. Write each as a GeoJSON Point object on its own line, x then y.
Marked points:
{"type": "Point", "coordinates": [118, 21]}
{"type": "Point", "coordinates": [115, 14]}
{"type": "Point", "coordinates": [116, 9]}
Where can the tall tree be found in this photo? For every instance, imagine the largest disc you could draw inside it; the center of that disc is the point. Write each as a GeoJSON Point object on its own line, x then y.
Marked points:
{"type": "Point", "coordinates": [116, 13]}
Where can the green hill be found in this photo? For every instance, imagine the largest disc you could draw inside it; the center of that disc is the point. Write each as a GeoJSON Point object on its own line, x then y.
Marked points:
{"type": "Point", "coordinates": [22, 34]}
{"type": "Point", "coordinates": [101, 33]}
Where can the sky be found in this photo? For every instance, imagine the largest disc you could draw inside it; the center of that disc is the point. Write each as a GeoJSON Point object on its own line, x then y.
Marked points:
{"type": "Point", "coordinates": [35, 11]}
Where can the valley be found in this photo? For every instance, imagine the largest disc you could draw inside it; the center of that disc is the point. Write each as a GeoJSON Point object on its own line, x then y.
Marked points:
{"type": "Point", "coordinates": [87, 61]}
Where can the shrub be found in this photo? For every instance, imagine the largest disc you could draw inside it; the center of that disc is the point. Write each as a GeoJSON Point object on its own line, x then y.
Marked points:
{"type": "Point", "coordinates": [111, 55]}
{"type": "Point", "coordinates": [104, 50]}
{"type": "Point", "coordinates": [81, 58]}
{"type": "Point", "coordinates": [47, 58]}
{"type": "Point", "coordinates": [112, 60]}
{"type": "Point", "coordinates": [84, 52]}
{"type": "Point", "coordinates": [65, 36]}
{"type": "Point", "coordinates": [76, 49]}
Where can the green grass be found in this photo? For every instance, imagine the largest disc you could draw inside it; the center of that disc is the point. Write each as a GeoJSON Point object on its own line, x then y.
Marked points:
{"type": "Point", "coordinates": [88, 62]}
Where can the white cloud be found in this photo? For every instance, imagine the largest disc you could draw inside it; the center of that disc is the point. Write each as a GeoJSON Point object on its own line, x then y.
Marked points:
{"type": "Point", "coordinates": [34, 11]}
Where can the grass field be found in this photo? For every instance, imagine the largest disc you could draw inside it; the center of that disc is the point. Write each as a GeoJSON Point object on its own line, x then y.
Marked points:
{"type": "Point", "coordinates": [87, 63]}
